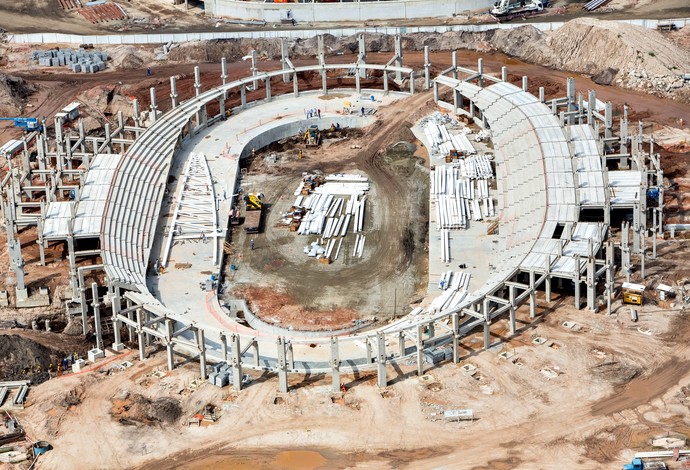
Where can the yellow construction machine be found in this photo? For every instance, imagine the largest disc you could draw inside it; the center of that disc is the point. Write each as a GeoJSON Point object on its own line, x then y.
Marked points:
{"type": "Point", "coordinates": [312, 136]}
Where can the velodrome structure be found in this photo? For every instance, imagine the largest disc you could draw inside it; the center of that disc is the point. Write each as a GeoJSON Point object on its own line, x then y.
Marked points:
{"type": "Point", "coordinates": [562, 169]}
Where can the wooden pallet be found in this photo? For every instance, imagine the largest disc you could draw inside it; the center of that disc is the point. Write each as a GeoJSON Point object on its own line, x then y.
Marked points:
{"type": "Point", "coordinates": [102, 13]}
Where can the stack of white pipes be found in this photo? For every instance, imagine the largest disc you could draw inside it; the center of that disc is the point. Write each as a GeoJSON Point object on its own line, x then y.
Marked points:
{"type": "Point", "coordinates": [442, 141]}
{"type": "Point", "coordinates": [459, 198]}
{"type": "Point", "coordinates": [456, 286]}
{"type": "Point", "coordinates": [476, 167]}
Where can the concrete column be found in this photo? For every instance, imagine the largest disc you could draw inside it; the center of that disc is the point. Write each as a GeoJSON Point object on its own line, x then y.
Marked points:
{"type": "Point", "coordinates": [154, 106]}
{"type": "Point", "coordinates": [381, 359]}
{"type": "Point", "coordinates": [654, 230]}
{"type": "Point", "coordinates": [504, 73]}
{"type": "Point", "coordinates": [512, 320]}
{"type": "Point", "coordinates": [255, 349]}
{"type": "Point", "coordinates": [385, 82]}
{"type": "Point", "coordinates": [243, 96]}
{"type": "Point", "coordinates": [456, 338]}
{"type": "Point", "coordinates": [173, 91]}
{"type": "Point", "coordinates": [398, 56]}
{"type": "Point", "coordinates": [201, 344]}
{"type": "Point", "coordinates": [608, 122]}
{"type": "Point", "coordinates": [117, 323]}
{"type": "Point", "coordinates": [224, 80]}
{"type": "Point", "coordinates": [169, 343]}
{"type": "Point", "coordinates": [135, 112]}
{"type": "Point", "coordinates": [542, 94]}
{"type": "Point", "coordinates": [591, 284]}
{"type": "Point", "coordinates": [525, 83]}
{"type": "Point", "coordinates": [140, 334]}
{"type": "Point", "coordinates": [420, 350]}
{"type": "Point", "coordinates": [283, 59]}
{"type": "Point", "coordinates": [401, 344]}
{"type": "Point", "coordinates": [487, 335]}
{"type": "Point", "coordinates": [282, 366]}
{"type": "Point", "coordinates": [435, 85]}
{"type": "Point", "coordinates": [320, 50]}
{"type": "Point", "coordinates": [295, 85]}
{"type": "Point", "coordinates": [591, 106]}
{"type": "Point", "coordinates": [236, 362]}
{"type": "Point", "coordinates": [577, 292]}
{"type": "Point", "coordinates": [412, 83]}
{"type": "Point", "coordinates": [357, 81]}
{"type": "Point", "coordinates": [97, 315]}
{"type": "Point", "coordinates": [254, 70]}
{"type": "Point", "coordinates": [290, 356]}
{"type": "Point", "coordinates": [454, 64]}
{"type": "Point", "coordinates": [609, 275]}
{"type": "Point", "coordinates": [480, 71]}
{"type": "Point", "coordinates": [324, 82]}
{"type": "Point", "coordinates": [268, 89]}
{"type": "Point", "coordinates": [335, 365]}
{"type": "Point", "coordinates": [130, 315]}
{"type": "Point", "coordinates": [223, 347]}
{"type": "Point", "coordinates": [427, 69]}
{"type": "Point", "coordinates": [362, 55]}
{"type": "Point", "coordinates": [532, 297]}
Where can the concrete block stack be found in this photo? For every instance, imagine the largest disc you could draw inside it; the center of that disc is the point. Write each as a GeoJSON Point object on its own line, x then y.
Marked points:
{"type": "Point", "coordinates": [221, 375]}
{"type": "Point", "coordinates": [77, 60]}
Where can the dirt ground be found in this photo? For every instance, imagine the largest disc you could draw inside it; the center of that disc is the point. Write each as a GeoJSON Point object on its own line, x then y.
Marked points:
{"type": "Point", "coordinates": [616, 384]}
{"type": "Point", "coordinates": [300, 292]}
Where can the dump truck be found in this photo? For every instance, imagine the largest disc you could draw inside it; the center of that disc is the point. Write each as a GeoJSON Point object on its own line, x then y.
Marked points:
{"type": "Point", "coordinates": [505, 10]}
{"type": "Point", "coordinates": [253, 212]}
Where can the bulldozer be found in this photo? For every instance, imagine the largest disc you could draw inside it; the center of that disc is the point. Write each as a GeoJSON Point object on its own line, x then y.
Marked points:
{"type": "Point", "coordinates": [254, 201]}
{"type": "Point", "coordinates": [312, 136]}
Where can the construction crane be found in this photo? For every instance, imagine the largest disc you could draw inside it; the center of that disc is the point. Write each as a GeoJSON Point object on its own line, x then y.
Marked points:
{"type": "Point", "coordinates": [29, 124]}
{"type": "Point", "coordinates": [504, 10]}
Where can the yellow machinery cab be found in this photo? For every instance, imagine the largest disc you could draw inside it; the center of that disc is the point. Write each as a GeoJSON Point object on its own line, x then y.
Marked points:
{"type": "Point", "coordinates": [633, 294]}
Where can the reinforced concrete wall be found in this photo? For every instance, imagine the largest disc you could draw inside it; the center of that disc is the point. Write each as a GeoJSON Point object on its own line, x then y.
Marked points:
{"type": "Point", "coordinates": [290, 129]}
{"type": "Point", "coordinates": [163, 38]}
{"type": "Point", "coordinates": [349, 11]}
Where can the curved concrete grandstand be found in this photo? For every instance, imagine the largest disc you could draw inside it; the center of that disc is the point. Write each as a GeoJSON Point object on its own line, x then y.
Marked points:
{"type": "Point", "coordinates": [550, 166]}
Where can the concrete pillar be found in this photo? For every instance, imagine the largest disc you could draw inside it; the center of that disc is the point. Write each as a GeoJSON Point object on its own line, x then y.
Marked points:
{"type": "Point", "coordinates": [504, 73]}
{"type": "Point", "coordinates": [243, 96]}
{"type": "Point", "coordinates": [512, 320]}
{"type": "Point", "coordinates": [577, 291]}
{"type": "Point", "coordinates": [154, 106]}
{"type": "Point", "coordinates": [480, 71]}
{"type": "Point", "coordinates": [290, 356]}
{"type": "Point", "coordinates": [169, 345]}
{"type": "Point", "coordinates": [542, 94]}
{"type": "Point", "coordinates": [487, 335]}
{"type": "Point", "coordinates": [201, 344]}
{"type": "Point", "coordinates": [608, 122]}
{"type": "Point", "coordinates": [532, 296]}
{"type": "Point", "coordinates": [130, 315]}
{"type": "Point", "coordinates": [255, 349]}
{"type": "Point", "coordinates": [335, 365]}
{"type": "Point", "coordinates": [268, 89]}
{"type": "Point", "coordinates": [320, 50]}
{"type": "Point", "coordinates": [357, 81]}
{"type": "Point", "coordinates": [295, 85]}
{"type": "Point", "coordinates": [223, 347]}
{"type": "Point", "coordinates": [117, 323]}
{"type": "Point", "coordinates": [282, 366]}
{"type": "Point", "coordinates": [412, 83]}
{"type": "Point", "coordinates": [236, 362]}
{"type": "Point", "coordinates": [398, 56]}
{"type": "Point", "coordinates": [362, 56]}
{"type": "Point", "coordinates": [385, 82]}
{"type": "Point", "coordinates": [135, 112]}
{"type": "Point", "coordinates": [427, 69]}
{"type": "Point", "coordinates": [456, 337]}
{"type": "Point", "coordinates": [609, 275]}
{"type": "Point", "coordinates": [254, 70]}
{"type": "Point", "coordinates": [454, 64]}
{"type": "Point", "coordinates": [140, 334]}
{"type": "Point", "coordinates": [381, 359]}
{"type": "Point", "coordinates": [95, 303]}
{"type": "Point", "coordinates": [420, 350]}
{"type": "Point", "coordinates": [283, 59]}
{"type": "Point", "coordinates": [591, 106]}
{"type": "Point", "coordinates": [525, 83]}
{"type": "Point", "coordinates": [173, 91]}
{"type": "Point", "coordinates": [324, 82]}
{"type": "Point", "coordinates": [224, 80]}
{"type": "Point", "coordinates": [435, 85]}
{"type": "Point", "coordinates": [591, 284]}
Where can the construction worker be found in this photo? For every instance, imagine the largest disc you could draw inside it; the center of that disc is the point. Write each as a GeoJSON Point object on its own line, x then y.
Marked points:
{"type": "Point", "coordinates": [148, 71]}
{"type": "Point", "coordinates": [300, 154]}
{"type": "Point", "coordinates": [251, 244]}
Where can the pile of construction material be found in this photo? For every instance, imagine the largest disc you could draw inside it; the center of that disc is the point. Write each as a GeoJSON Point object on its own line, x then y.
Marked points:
{"type": "Point", "coordinates": [327, 207]}
{"type": "Point", "coordinates": [443, 143]}
{"type": "Point", "coordinates": [78, 61]}
{"type": "Point", "coordinates": [454, 285]}
{"type": "Point", "coordinates": [461, 192]}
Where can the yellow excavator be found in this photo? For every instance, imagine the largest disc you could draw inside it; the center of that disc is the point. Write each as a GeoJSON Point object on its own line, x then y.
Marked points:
{"type": "Point", "coordinates": [254, 201]}
{"type": "Point", "coordinates": [312, 136]}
